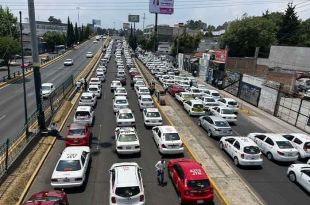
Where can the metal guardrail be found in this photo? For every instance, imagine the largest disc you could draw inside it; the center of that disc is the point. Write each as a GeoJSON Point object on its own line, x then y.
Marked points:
{"type": "Point", "coordinates": [13, 147]}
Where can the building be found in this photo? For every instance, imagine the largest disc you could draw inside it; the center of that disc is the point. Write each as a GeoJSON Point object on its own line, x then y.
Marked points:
{"type": "Point", "coordinates": [165, 32]}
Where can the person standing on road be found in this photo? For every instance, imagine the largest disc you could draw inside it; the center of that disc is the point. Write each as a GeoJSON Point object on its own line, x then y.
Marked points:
{"type": "Point", "coordinates": [54, 131]}
{"type": "Point", "coordinates": [78, 85]}
{"type": "Point", "coordinates": [85, 85]}
{"type": "Point", "coordinates": [160, 169]}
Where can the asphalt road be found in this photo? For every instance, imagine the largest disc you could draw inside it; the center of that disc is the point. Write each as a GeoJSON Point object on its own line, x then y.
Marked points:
{"type": "Point", "coordinates": [12, 104]}
{"type": "Point", "coordinates": [270, 182]}
{"type": "Point", "coordinates": [103, 156]}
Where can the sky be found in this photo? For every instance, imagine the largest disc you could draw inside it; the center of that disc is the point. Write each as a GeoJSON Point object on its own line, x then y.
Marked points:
{"type": "Point", "coordinates": [113, 13]}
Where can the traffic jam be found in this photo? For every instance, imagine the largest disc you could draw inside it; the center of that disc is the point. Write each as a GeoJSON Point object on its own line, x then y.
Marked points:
{"type": "Point", "coordinates": [217, 114]}
{"type": "Point", "coordinates": [191, 182]}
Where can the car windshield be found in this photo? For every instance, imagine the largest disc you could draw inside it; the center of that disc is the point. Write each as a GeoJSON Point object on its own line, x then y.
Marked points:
{"type": "Point", "coordinates": [93, 89]}
{"type": "Point", "coordinates": [121, 91]}
{"type": "Point", "coordinates": [251, 150]}
{"type": "Point", "coordinates": [153, 114]}
{"type": "Point", "coordinates": [127, 191]}
{"type": "Point", "coordinates": [147, 99]}
{"type": "Point", "coordinates": [232, 103]}
{"type": "Point", "coordinates": [199, 106]}
{"type": "Point", "coordinates": [198, 184]}
{"type": "Point", "coordinates": [82, 114]}
{"type": "Point", "coordinates": [209, 100]}
{"type": "Point", "coordinates": [144, 90]}
{"type": "Point", "coordinates": [127, 138]}
{"type": "Point", "coordinates": [46, 87]}
{"type": "Point", "coordinates": [227, 111]}
{"type": "Point", "coordinates": [216, 94]}
{"type": "Point", "coordinates": [77, 131]}
{"type": "Point", "coordinates": [187, 95]}
{"type": "Point", "coordinates": [121, 102]}
{"type": "Point", "coordinates": [284, 144]}
{"type": "Point", "coordinates": [86, 97]}
{"type": "Point", "coordinates": [68, 165]}
{"type": "Point", "coordinates": [46, 198]}
{"type": "Point", "coordinates": [195, 91]}
{"type": "Point", "coordinates": [221, 124]}
{"type": "Point", "coordinates": [171, 136]}
{"type": "Point", "coordinates": [125, 116]}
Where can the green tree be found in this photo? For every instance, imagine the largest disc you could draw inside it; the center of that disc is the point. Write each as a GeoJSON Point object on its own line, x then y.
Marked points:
{"type": "Point", "coordinates": [81, 35]}
{"type": "Point", "coordinates": [304, 39]}
{"type": "Point", "coordinates": [53, 20]}
{"type": "Point", "coordinates": [191, 24]}
{"type": "Point", "coordinates": [243, 36]}
{"type": "Point", "coordinates": [76, 33]}
{"type": "Point", "coordinates": [53, 38]}
{"type": "Point", "coordinates": [8, 48]}
{"type": "Point", "coordinates": [288, 33]}
{"type": "Point", "coordinates": [8, 24]}
{"type": "Point", "coordinates": [87, 32]}
{"type": "Point", "coordinates": [70, 33]}
{"type": "Point", "coordinates": [187, 43]}
{"type": "Point", "coordinates": [132, 40]}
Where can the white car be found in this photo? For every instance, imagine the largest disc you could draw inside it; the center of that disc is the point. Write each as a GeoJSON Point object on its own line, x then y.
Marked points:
{"type": "Point", "coordinates": [102, 68]}
{"type": "Point", "coordinates": [275, 146]}
{"type": "Point", "coordinates": [215, 126]}
{"type": "Point", "coordinates": [230, 103]}
{"type": "Point", "coordinates": [167, 140]}
{"type": "Point", "coordinates": [242, 150]}
{"type": "Point", "coordinates": [96, 89]}
{"type": "Point", "coordinates": [126, 184]}
{"type": "Point", "coordinates": [300, 173]}
{"type": "Point", "coordinates": [125, 118]}
{"type": "Point", "coordinates": [152, 117]}
{"type": "Point", "coordinates": [142, 90]}
{"type": "Point", "coordinates": [127, 141]}
{"type": "Point", "coordinates": [224, 112]}
{"type": "Point", "coordinates": [194, 107]}
{"type": "Point", "coordinates": [213, 93]}
{"type": "Point", "coordinates": [139, 83]}
{"type": "Point", "coordinates": [145, 101]}
{"type": "Point", "coordinates": [115, 84]}
{"type": "Point", "coordinates": [88, 99]}
{"type": "Point", "coordinates": [68, 62]}
{"type": "Point", "coordinates": [84, 115]}
{"type": "Point", "coordinates": [47, 89]}
{"type": "Point", "coordinates": [137, 78]}
{"type": "Point", "coordinates": [95, 81]}
{"type": "Point", "coordinates": [89, 55]}
{"type": "Point", "coordinates": [120, 102]}
{"type": "Point", "coordinates": [183, 96]}
{"type": "Point", "coordinates": [71, 169]}
{"type": "Point", "coordinates": [208, 102]}
{"type": "Point", "coordinates": [120, 91]}
{"type": "Point", "coordinates": [100, 75]}
{"type": "Point", "coordinates": [195, 92]}
{"type": "Point", "coordinates": [301, 142]}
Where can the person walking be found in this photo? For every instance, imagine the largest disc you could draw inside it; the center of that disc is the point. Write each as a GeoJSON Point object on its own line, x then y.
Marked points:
{"type": "Point", "coordinates": [85, 85]}
{"type": "Point", "coordinates": [78, 85]}
{"type": "Point", "coordinates": [160, 169]}
{"type": "Point", "coordinates": [54, 131]}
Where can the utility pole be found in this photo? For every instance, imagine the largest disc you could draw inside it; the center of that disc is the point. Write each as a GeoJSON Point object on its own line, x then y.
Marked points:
{"type": "Point", "coordinates": [143, 20]}
{"type": "Point", "coordinates": [78, 9]}
{"type": "Point", "coordinates": [36, 65]}
{"type": "Point", "coordinates": [155, 31]}
{"type": "Point", "coordinates": [23, 71]}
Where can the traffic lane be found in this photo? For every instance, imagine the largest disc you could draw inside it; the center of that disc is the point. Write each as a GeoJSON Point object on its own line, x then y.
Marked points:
{"type": "Point", "coordinates": [13, 109]}
{"type": "Point", "coordinates": [270, 181]}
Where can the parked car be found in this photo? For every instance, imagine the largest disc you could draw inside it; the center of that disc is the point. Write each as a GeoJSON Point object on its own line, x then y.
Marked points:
{"type": "Point", "coordinates": [301, 142]}
{"type": "Point", "coordinates": [300, 173]}
{"type": "Point", "coordinates": [215, 126]}
{"type": "Point", "coordinates": [78, 135]}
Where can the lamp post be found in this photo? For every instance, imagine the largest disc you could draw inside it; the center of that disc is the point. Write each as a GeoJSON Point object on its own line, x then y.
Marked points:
{"type": "Point", "coordinates": [23, 71]}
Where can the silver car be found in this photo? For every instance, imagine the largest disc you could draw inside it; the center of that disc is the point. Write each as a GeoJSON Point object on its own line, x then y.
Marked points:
{"type": "Point", "coordinates": [215, 126]}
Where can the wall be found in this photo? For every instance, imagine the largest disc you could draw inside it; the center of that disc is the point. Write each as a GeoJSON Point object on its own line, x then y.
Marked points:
{"type": "Point", "coordinates": [287, 79]}
{"type": "Point", "coordinates": [242, 65]}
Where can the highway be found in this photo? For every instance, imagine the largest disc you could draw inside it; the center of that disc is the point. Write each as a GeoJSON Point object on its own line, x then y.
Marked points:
{"type": "Point", "coordinates": [12, 104]}
{"type": "Point", "coordinates": [103, 155]}
{"type": "Point", "coordinates": [270, 182]}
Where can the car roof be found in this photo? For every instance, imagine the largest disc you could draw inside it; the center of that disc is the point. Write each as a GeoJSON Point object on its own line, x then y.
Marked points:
{"type": "Point", "coordinates": [126, 130]}
{"type": "Point", "coordinates": [243, 140]}
{"type": "Point", "coordinates": [47, 84]}
{"type": "Point", "coordinates": [167, 129]}
{"type": "Point", "coordinates": [97, 79]}
{"type": "Point", "coordinates": [94, 86]}
{"type": "Point", "coordinates": [189, 165]}
{"type": "Point", "coordinates": [73, 152]}
{"type": "Point", "coordinates": [87, 94]}
{"type": "Point", "coordinates": [143, 87]}
{"type": "Point", "coordinates": [83, 108]}
{"type": "Point", "coordinates": [196, 101]}
{"type": "Point", "coordinates": [116, 81]}
{"type": "Point", "coordinates": [214, 91]}
{"type": "Point", "coordinates": [125, 110]}
{"type": "Point", "coordinates": [151, 109]}
{"type": "Point", "coordinates": [120, 97]}
{"type": "Point", "coordinates": [126, 174]}
{"type": "Point", "coordinates": [145, 96]}
{"type": "Point", "coordinates": [77, 126]}
{"type": "Point", "coordinates": [274, 136]}
{"type": "Point", "coordinates": [216, 118]}
{"type": "Point", "coordinates": [300, 136]}
{"type": "Point", "coordinates": [229, 99]}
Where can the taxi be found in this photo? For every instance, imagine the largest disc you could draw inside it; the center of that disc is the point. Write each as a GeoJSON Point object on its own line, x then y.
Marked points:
{"type": "Point", "coordinates": [120, 91]}
{"type": "Point", "coordinates": [88, 99]}
{"type": "Point", "coordinates": [183, 96]}
{"type": "Point", "coordinates": [224, 112]}
{"type": "Point", "coordinates": [191, 181]}
{"type": "Point", "coordinates": [152, 117]}
{"type": "Point", "coordinates": [194, 107]}
{"type": "Point", "coordinates": [242, 150]}
{"type": "Point", "coordinates": [145, 101]}
{"type": "Point", "coordinates": [71, 169]}
{"type": "Point", "coordinates": [125, 118]}
{"type": "Point", "coordinates": [120, 102]}
{"type": "Point", "coordinates": [53, 197]}
{"type": "Point", "coordinates": [115, 84]}
{"type": "Point", "coordinates": [142, 90]}
{"type": "Point", "coordinates": [78, 135]}
{"type": "Point", "coordinates": [84, 115]}
{"type": "Point", "coordinates": [127, 141]}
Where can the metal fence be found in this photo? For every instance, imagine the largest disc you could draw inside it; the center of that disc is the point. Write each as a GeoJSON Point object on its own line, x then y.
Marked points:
{"type": "Point", "coordinates": [12, 148]}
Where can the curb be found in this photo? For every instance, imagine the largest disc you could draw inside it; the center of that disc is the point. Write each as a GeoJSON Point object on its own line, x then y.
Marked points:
{"type": "Point", "coordinates": [218, 193]}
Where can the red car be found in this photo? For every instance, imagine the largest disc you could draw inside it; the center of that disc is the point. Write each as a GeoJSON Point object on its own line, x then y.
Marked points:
{"type": "Point", "coordinates": [191, 181]}
{"type": "Point", "coordinates": [78, 135]}
{"type": "Point", "coordinates": [48, 198]}
{"type": "Point", "coordinates": [133, 74]}
{"type": "Point", "coordinates": [173, 89]}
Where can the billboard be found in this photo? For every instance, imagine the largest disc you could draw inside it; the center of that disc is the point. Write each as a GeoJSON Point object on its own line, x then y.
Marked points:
{"type": "Point", "coordinates": [126, 26]}
{"type": "Point", "coordinates": [96, 22]}
{"type": "Point", "coordinates": [220, 56]}
{"type": "Point", "coordinates": [161, 6]}
{"type": "Point", "coordinates": [134, 18]}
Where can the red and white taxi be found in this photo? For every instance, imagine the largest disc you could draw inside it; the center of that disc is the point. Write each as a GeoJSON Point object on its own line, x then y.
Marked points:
{"type": "Point", "coordinates": [191, 181]}
{"type": "Point", "coordinates": [78, 135]}
{"type": "Point", "coordinates": [53, 197]}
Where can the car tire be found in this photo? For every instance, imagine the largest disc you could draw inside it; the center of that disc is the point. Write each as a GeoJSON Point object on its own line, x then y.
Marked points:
{"type": "Point", "coordinates": [269, 156]}
{"type": "Point", "coordinates": [292, 176]}
{"type": "Point", "coordinates": [209, 133]}
{"type": "Point", "coordinates": [236, 161]}
{"type": "Point", "coordinates": [180, 198]}
{"type": "Point", "coordinates": [221, 145]}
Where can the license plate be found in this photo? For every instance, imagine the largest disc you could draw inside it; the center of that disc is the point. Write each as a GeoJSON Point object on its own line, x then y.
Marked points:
{"type": "Point", "coordinates": [66, 180]}
{"type": "Point", "coordinates": [289, 154]}
{"type": "Point", "coordinates": [200, 201]}
{"type": "Point", "coordinates": [225, 132]}
{"type": "Point", "coordinates": [128, 147]}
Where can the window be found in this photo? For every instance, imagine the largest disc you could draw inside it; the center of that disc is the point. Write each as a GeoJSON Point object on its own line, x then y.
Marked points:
{"type": "Point", "coordinates": [288, 137]}
{"type": "Point", "coordinates": [83, 160]}
{"type": "Point", "coordinates": [230, 140]}
{"type": "Point", "coordinates": [284, 145]}
{"type": "Point", "coordinates": [269, 141]}
{"type": "Point", "coordinates": [297, 141]}
{"type": "Point", "coordinates": [198, 184]}
{"type": "Point", "coordinates": [113, 177]}
{"type": "Point", "coordinates": [251, 150]}
{"type": "Point", "coordinates": [179, 171]}
{"type": "Point", "coordinates": [68, 165]}
{"type": "Point", "coordinates": [261, 137]}
{"type": "Point", "coordinates": [237, 145]}
{"type": "Point", "coordinates": [127, 191]}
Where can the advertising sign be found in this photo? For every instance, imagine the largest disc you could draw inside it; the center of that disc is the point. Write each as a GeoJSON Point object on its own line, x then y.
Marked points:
{"type": "Point", "coordinates": [161, 6]}
{"type": "Point", "coordinates": [126, 26]}
{"type": "Point", "coordinates": [134, 18]}
{"type": "Point", "coordinates": [220, 56]}
{"type": "Point", "coordinates": [96, 22]}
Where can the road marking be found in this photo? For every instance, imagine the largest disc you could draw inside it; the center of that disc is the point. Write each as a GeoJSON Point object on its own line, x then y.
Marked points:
{"type": "Point", "coordinates": [2, 117]}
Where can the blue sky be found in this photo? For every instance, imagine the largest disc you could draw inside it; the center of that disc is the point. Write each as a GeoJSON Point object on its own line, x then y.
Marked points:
{"type": "Point", "coordinates": [115, 12]}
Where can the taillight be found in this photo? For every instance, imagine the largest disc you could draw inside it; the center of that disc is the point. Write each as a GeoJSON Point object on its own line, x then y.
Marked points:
{"type": "Point", "coordinates": [242, 156]}
{"type": "Point", "coordinates": [113, 200]}
{"type": "Point", "coordinates": [163, 146]}
{"type": "Point", "coordinates": [54, 180]}
{"type": "Point", "coordinates": [142, 197]}
{"type": "Point", "coordinates": [280, 153]}
{"type": "Point", "coordinates": [78, 179]}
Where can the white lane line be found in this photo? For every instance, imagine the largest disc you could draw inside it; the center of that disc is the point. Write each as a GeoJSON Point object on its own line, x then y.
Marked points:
{"type": "Point", "coordinates": [2, 117]}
